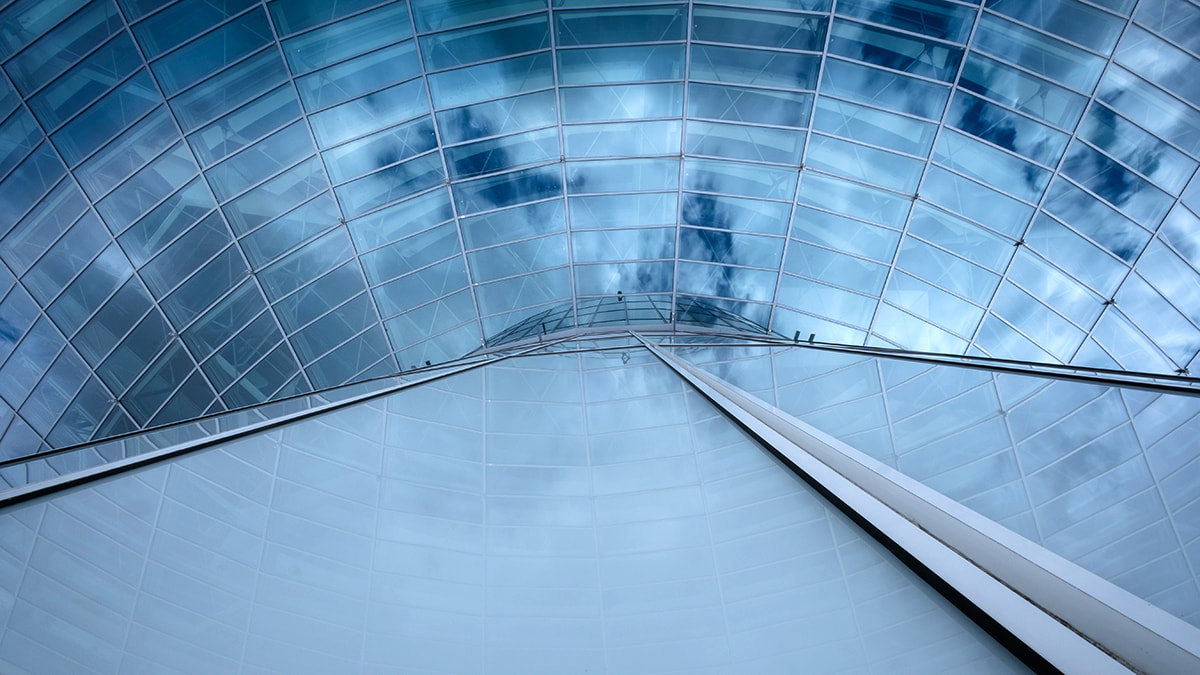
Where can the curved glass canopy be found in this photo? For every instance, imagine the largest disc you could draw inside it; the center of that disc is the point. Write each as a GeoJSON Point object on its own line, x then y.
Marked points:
{"type": "Point", "coordinates": [208, 205]}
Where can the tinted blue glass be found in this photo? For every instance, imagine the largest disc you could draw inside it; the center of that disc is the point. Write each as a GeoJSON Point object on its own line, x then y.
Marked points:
{"type": "Point", "coordinates": [180, 23]}
{"type": "Point", "coordinates": [511, 224]}
{"type": "Point", "coordinates": [293, 16]}
{"type": "Point", "coordinates": [1006, 129]}
{"type": "Point", "coordinates": [494, 192]}
{"type": "Point", "coordinates": [1117, 185]}
{"type": "Point", "coordinates": [85, 82]}
{"type": "Point", "coordinates": [379, 150]}
{"type": "Point", "coordinates": [438, 14]}
{"type": "Point", "coordinates": [212, 52]}
{"type": "Point", "coordinates": [391, 184]}
{"type": "Point", "coordinates": [328, 45]}
{"type": "Point", "coordinates": [502, 154]}
{"type": "Point", "coordinates": [107, 117]}
{"type": "Point", "coordinates": [489, 41]}
{"type": "Point", "coordinates": [1023, 91]}
{"type": "Point", "coordinates": [358, 76]}
{"type": "Point", "coordinates": [521, 257]}
{"type": "Point", "coordinates": [496, 118]}
{"type": "Point", "coordinates": [935, 19]}
{"type": "Point", "coordinates": [647, 243]}
{"type": "Point", "coordinates": [620, 64]}
{"type": "Point", "coordinates": [842, 233]}
{"type": "Point", "coordinates": [371, 112]}
{"type": "Point", "coordinates": [892, 91]}
{"type": "Point", "coordinates": [764, 29]}
{"type": "Point", "coordinates": [491, 80]}
{"type": "Point", "coordinates": [244, 126]}
{"type": "Point", "coordinates": [738, 104]}
{"type": "Point", "coordinates": [58, 49]}
{"type": "Point", "coordinates": [411, 253]}
{"type": "Point", "coordinates": [726, 282]}
{"type": "Point", "coordinates": [894, 50]}
{"type": "Point", "coordinates": [604, 26]}
{"type": "Point", "coordinates": [1057, 60]}
{"type": "Point", "coordinates": [782, 146]}
{"type": "Point", "coordinates": [873, 126]}
{"type": "Point", "coordinates": [748, 66]}
{"type": "Point", "coordinates": [869, 165]}
{"type": "Point", "coordinates": [229, 89]}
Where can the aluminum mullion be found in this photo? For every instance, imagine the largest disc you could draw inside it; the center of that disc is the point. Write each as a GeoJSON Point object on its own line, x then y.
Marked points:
{"type": "Point", "coordinates": [683, 124]}
{"type": "Point", "coordinates": [808, 131]}
{"type": "Point", "coordinates": [234, 243]}
{"type": "Point", "coordinates": [112, 397]}
{"type": "Point", "coordinates": [301, 366]}
{"type": "Point", "coordinates": [462, 246]}
{"type": "Point", "coordinates": [31, 491]}
{"type": "Point", "coordinates": [1059, 612]}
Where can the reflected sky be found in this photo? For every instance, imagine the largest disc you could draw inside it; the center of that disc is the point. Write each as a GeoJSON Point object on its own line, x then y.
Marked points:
{"type": "Point", "coordinates": [979, 176]}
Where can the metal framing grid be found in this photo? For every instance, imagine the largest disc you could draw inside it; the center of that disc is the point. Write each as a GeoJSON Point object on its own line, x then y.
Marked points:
{"type": "Point", "coordinates": [1048, 611]}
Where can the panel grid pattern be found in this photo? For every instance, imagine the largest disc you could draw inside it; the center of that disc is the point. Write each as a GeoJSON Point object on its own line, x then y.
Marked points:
{"type": "Point", "coordinates": [209, 206]}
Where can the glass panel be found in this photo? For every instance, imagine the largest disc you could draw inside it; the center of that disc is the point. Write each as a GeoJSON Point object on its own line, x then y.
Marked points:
{"type": "Point", "coordinates": [752, 180]}
{"type": "Point", "coordinates": [763, 29]}
{"type": "Point", "coordinates": [884, 89]}
{"type": "Point", "coordinates": [650, 24]}
{"type": "Point", "coordinates": [491, 80]}
{"type": "Point", "coordinates": [647, 243]}
{"type": "Point", "coordinates": [87, 81]}
{"type": "Point", "coordinates": [749, 66]}
{"type": "Point", "coordinates": [1006, 129]}
{"type": "Point", "coordinates": [496, 118]}
{"type": "Point", "coordinates": [371, 112]}
{"type": "Point", "coordinates": [1023, 91]}
{"type": "Point", "coordinates": [612, 491]}
{"type": "Point", "coordinates": [992, 167]}
{"type": "Point", "coordinates": [1057, 60]}
{"type": "Point", "coordinates": [721, 246]}
{"type": "Point", "coordinates": [726, 282]}
{"type": "Point", "coordinates": [502, 154]}
{"type": "Point", "coordinates": [359, 76]}
{"type": "Point", "coordinates": [489, 41]}
{"type": "Point", "coordinates": [873, 127]}
{"type": "Point", "coordinates": [620, 64]}
{"type": "Point", "coordinates": [522, 257]}
{"type": "Point", "coordinates": [734, 141]}
{"type": "Point", "coordinates": [378, 150]}
{"type": "Point", "coordinates": [244, 126]}
{"type": "Point", "coordinates": [622, 139]}
{"type": "Point", "coordinates": [1098, 475]}
{"type": "Point", "coordinates": [521, 222]}
{"type": "Point", "coordinates": [329, 45]}
{"type": "Point", "coordinates": [894, 50]}
{"type": "Point", "coordinates": [631, 101]}
{"type": "Point", "coordinates": [733, 213]}
{"type": "Point", "coordinates": [622, 175]}
{"type": "Point", "coordinates": [1075, 21]}
{"type": "Point", "coordinates": [212, 52]}
{"type": "Point", "coordinates": [935, 19]}
{"type": "Point", "coordinates": [636, 210]}
{"type": "Point", "coordinates": [437, 14]}
{"type": "Point", "coordinates": [107, 117]}
{"type": "Point", "coordinates": [55, 49]}
{"type": "Point", "coordinates": [226, 91]}
{"type": "Point", "coordinates": [293, 16]}
{"type": "Point", "coordinates": [870, 165]}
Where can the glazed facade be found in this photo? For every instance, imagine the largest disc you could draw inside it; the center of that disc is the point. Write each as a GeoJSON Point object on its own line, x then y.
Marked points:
{"type": "Point", "coordinates": [206, 206]}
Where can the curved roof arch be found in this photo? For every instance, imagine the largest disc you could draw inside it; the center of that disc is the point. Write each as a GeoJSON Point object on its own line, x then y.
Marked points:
{"type": "Point", "coordinates": [209, 206]}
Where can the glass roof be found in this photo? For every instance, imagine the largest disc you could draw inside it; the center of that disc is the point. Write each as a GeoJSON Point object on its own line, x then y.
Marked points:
{"type": "Point", "coordinates": [208, 205]}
